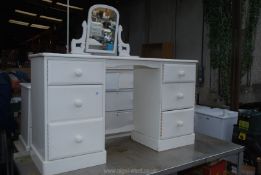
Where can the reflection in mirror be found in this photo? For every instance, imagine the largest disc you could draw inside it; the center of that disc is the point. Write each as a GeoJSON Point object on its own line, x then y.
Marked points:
{"type": "Point", "coordinates": [103, 28]}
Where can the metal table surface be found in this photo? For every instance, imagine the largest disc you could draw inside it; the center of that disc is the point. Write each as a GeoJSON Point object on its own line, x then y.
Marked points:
{"type": "Point", "coordinates": [125, 156]}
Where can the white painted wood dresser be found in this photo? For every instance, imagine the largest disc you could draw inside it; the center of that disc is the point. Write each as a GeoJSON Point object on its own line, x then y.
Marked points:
{"type": "Point", "coordinates": [68, 107]}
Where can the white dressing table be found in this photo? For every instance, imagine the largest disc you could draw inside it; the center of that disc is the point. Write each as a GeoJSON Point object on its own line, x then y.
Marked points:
{"type": "Point", "coordinates": [68, 107]}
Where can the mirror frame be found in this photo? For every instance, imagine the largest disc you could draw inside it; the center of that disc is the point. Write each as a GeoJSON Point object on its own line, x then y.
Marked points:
{"type": "Point", "coordinates": [114, 51]}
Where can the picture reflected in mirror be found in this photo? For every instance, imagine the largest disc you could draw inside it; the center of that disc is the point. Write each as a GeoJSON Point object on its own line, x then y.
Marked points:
{"type": "Point", "coordinates": [103, 29]}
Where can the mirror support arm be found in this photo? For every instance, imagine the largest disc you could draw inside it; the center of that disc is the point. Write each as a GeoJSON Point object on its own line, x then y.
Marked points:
{"type": "Point", "coordinates": [78, 45]}
{"type": "Point", "coordinates": [123, 48]}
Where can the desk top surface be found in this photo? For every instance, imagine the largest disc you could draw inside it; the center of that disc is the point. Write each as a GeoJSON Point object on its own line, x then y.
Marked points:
{"type": "Point", "coordinates": [111, 57]}
{"type": "Point", "coordinates": [26, 85]}
{"type": "Point", "coordinates": [125, 155]}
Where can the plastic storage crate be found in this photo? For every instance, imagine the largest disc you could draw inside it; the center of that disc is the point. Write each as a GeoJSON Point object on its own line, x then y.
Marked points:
{"type": "Point", "coordinates": [215, 122]}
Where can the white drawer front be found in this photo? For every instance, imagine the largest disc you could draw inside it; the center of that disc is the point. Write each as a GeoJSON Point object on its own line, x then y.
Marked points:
{"type": "Point", "coordinates": [178, 96]}
{"type": "Point", "coordinates": [179, 73]}
{"type": "Point", "coordinates": [74, 102]}
{"type": "Point", "coordinates": [118, 101]}
{"type": "Point", "coordinates": [112, 81]}
{"type": "Point", "coordinates": [75, 138]}
{"type": "Point", "coordinates": [75, 72]}
{"type": "Point", "coordinates": [126, 80]}
{"type": "Point", "coordinates": [119, 80]}
{"type": "Point", "coordinates": [117, 122]}
{"type": "Point", "coordinates": [177, 123]}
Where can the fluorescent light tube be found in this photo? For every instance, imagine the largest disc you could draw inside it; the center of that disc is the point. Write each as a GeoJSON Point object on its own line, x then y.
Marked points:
{"type": "Point", "coordinates": [38, 26]}
{"type": "Point", "coordinates": [12, 21]}
{"type": "Point", "coordinates": [49, 1]}
{"type": "Point", "coordinates": [51, 18]}
{"type": "Point", "coordinates": [71, 6]}
{"type": "Point", "coordinates": [25, 12]}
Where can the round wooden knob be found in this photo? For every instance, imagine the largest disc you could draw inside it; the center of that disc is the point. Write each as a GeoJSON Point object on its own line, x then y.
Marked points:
{"type": "Point", "coordinates": [180, 95]}
{"type": "Point", "coordinates": [78, 72]}
{"type": "Point", "coordinates": [180, 123]}
{"type": "Point", "coordinates": [78, 139]}
{"type": "Point", "coordinates": [78, 103]}
{"type": "Point", "coordinates": [181, 73]}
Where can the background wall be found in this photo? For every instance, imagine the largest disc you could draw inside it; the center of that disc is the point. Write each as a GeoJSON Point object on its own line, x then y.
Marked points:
{"type": "Point", "coordinates": [177, 21]}
{"type": "Point", "coordinates": [256, 69]}
{"type": "Point", "coordinates": [189, 29]}
{"type": "Point", "coordinates": [253, 93]}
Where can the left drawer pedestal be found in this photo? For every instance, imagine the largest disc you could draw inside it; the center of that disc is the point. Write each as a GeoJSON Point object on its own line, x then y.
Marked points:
{"type": "Point", "coordinates": [68, 122]}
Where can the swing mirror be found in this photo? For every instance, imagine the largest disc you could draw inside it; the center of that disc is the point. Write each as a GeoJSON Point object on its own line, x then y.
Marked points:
{"type": "Point", "coordinates": [102, 29]}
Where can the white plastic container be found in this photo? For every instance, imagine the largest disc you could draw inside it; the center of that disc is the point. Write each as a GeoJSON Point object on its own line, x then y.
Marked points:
{"type": "Point", "coordinates": [215, 122]}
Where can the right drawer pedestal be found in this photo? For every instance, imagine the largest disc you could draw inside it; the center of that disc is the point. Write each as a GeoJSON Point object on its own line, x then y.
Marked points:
{"type": "Point", "coordinates": [164, 106]}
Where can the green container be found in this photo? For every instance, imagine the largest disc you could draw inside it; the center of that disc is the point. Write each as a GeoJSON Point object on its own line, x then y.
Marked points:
{"type": "Point", "coordinates": [239, 135]}
{"type": "Point", "coordinates": [250, 120]}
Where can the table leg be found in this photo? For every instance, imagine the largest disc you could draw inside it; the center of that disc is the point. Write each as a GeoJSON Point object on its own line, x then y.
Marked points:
{"type": "Point", "coordinates": [239, 161]}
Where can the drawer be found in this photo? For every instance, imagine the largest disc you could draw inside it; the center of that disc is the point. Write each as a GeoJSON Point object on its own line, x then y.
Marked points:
{"type": "Point", "coordinates": [115, 101]}
{"type": "Point", "coordinates": [75, 102]}
{"type": "Point", "coordinates": [118, 122]}
{"type": "Point", "coordinates": [126, 80]}
{"type": "Point", "coordinates": [178, 96]}
{"type": "Point", "coordinates": [177, 123]}
{"type": "Point", "coordinates": [112, 81]}
{"type": "Point", "coordinates": [75, 72]}
{"type": "Point", "coordinates": [69, 139]}
{"type": "Point", "coordinates": [179, 73]}
{"type": "Point", "coordinates": [119, 80]}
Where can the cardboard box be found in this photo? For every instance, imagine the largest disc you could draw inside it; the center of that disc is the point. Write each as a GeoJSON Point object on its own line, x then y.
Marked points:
{"type": "Point", "coordinates": [158, 50]}
{"type": "Point", "coordinates": [247, 170]}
